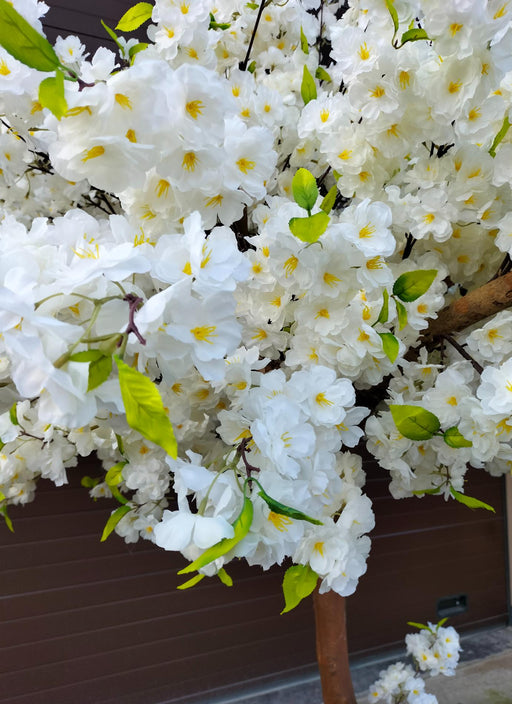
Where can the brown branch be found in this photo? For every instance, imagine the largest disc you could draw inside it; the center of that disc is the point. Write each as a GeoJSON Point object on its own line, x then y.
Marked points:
{"type": "Point", "coordinates": [332, 648]}
{"type": "Point", "coordinates": [477, 305]}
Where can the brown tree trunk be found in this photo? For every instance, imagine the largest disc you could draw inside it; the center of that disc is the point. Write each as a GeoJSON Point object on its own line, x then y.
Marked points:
{"type": "Point", "coordinates": [332, 648]}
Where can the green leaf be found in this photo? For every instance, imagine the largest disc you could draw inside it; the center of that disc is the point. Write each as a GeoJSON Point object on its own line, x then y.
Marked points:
{"type": "Point", "coordinates": [401, 312]}
{"type": "Point", "coordinates": [22, 41]}
{"type": "Point", "coordinates": [390, 345]}
{"type": "Point", "coordinates": [308, 87]}
{"type": "Point", "coordinates": [454, 438]}
{"type": "Point", "coordinates": [311, 228]}
{"type": "Point", "coordinates": [322, 75]}
{"type": "Point", "coordinates": [86, 356]}
{"type": "Point", "coordinates": [304, 188]}
{"type": "Point", "coordinates": [134, 50]}
{"type": "Point", "coordinates": [51, 95]}
{"type": "Point", "coordinates": [112, 35]}
{"type": "Point", "coordinates": [500, 135]}
{"type": "Point", "coordinates": [99, 371]}
{"type": "Point", "coordinates": [115, 474]}
{"type": "Point", "coordinates": [217, 25]}
{"type": "Point", "coordinates": [384, 311]}
{"type": "Point", "coordinates": [7, 520]}
{"type": "Point", "coordinates": [441, 623]}
{"type": "Point", "coordinates": [421, 626]}
{"type": "Point", "coordinates": [282, 509]}
{"type": "Point", "coordinates": [328, 202]}
{"type": "Point", "coordinates": [252, 5]}
{"type": "Point", "coordinates": [430, 492]}
{"type": "Point", "coordinates": [298, 583]}
{"type": "Point", "coordinates": [240, 526]}
{"type": "Point", "coordinates": [191, 582]}
{"type": "Point", "coordinates": [413, 284]}
{"type": "Point", "coordinates": [114, 519]}
{"type": "Point", "coordinates": [135, 17]}
{"type": "Point", "coordinates": [470, 501]}
{"type": "Point", "coordinates": [90, 482]}
{"type": "Point", "coordinates": [224, 577]}
{"type": "Point", "coordinates": [252, 67]}
{"type": "Point", "coordinates": [304, 42]}
{"type": "Point", "coordinates": [144, 408]}
{"type": "Point", "coordinates": [393, 13]}
{"type": "Point", "coordinates": [414, 422]}
{"type": "Point", "coordinates": [414, 35]}
{"type": "Point", "coordinates": [13, 414]}
{"type": "Point", "coordinates": [120, 444]}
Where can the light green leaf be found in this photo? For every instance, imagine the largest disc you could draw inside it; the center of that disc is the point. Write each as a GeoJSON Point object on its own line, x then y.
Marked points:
{"type": "Point", "coordinates": [298, 583]}
{"type": "Point", "coordinates": [86, 356]}
{"type": "Point", "coordinates": [52, 96]}
{"type": "Point", "coordinates": [112, 35]}
{"type": "Point", "coordinates": [283, 510]}
{"type": "Point", "coordinates": [421, 626]}
{"type": "Point", "coordinates": [311, 228]}
{"type": "Point", "coordinates": [414, 35]}
{"type": "Point", "coordinates": [393, 13]}
{"type": "Point", "coordinates": [401, 312]}
{"type": "Point", "coordinates": [90, 482]}
{"type": "Point", "coordinates": [328, 202]}
{"type": "Point", "coordinates": [191, 582]}
{"type": "Point", "coordinates": [454, 438]}
{"type": "Point", "coordinates": [224, 577]}
{"type": "Point", "coordinates": [13, 414]}
{"type": "Point", "coordinates": [384, 311]}
{"type": "Point", "coordinates": [7, 520]}
{"type": "Point", "coordinates": [322, 75]}
{"type": "Point", "coordinates": [308, 86]}
{"type": "Point", "coordinates": [390, 345]}
{"type": "Point", "coordinates": [430, 492]}
{"type": "Point", "coordinates": [252, 5]}
{"type": "Point", "coordinates": [304, 188]}
{"type": "Point", "coordinates": [134, 50]}
{"type": "Point", "coordinates": [441, 623]}
{"type": "Point", "coordinates": [252, 67]}
{"type": "Point", "coordinates": [414, 422]}
{"type": "Point", "coordinates": [114, 519]}
{"type": "Point", "coordinates": [304, 42]}
{"type": "Point", "coordinates": [99, 371]}
{"type": "Point", "coordinates": [115, 474]}
{"type": "Point", "coordinates": [469, 500]}
{"type": "Point", "coordinates": [500, 135]}
{"type": "Point", "coordinates": [240, 526]}
{"type": "Point", "coordinates": [22, 41]}
{"type": "Point", "coordinates": [144, 408]}
{"type": "Point", "coordinates": [413, 284]}
{"type": "Point", "coordinates": [135, 17]}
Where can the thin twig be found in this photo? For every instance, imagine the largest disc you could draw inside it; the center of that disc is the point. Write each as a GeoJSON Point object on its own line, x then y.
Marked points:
{"type": "Point", "coordinates": [463, 353]}
{"type": "Point", "coordinates": [243, 65]}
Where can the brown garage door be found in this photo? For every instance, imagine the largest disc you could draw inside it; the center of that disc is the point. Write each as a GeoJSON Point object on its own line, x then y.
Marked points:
{"type": "Point", "coordinates": [89, 622]}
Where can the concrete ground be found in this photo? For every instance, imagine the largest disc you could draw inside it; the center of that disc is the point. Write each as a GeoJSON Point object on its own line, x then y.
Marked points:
{"type": "Point", "coordinates": [484, 676]}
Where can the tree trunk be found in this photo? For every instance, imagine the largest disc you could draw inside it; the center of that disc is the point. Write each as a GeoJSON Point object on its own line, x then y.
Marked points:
{"type": "Point", "coordinates": [332, 648]}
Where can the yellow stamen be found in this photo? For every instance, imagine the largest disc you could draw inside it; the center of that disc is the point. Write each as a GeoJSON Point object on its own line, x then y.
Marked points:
{"type": "Point", "coordinates": [214, 201]}
{"type": "Point", "coordinates": [322, 313]}
{"type": "Point", "coordinates": [363, 336]}
{"type": "Point", "coordinates": [377, 92]}
{"type": "Point", "coordinates": [404, 79]}
{"type": "Point", "coordinates": [203, 332]}
{"type": "Point", "coordinates": [375, 263]}
{"type": "Point", "coordinates": [364, 52]}
{"type": "Point", "coordinates": [474, 114]}
{"type": "Point", "coordinates": [245, 165]}
{"type": "Point", "coordinates": [290, 265]}
{"type": "Point", "coordinates": [279, 521]}
{"type": "Point", "coordinates": [324, 115]}
{"type": "Point", "coordinates": [130, 136]}
{"type": "Point", "coordinates": [322, 400]}
{"type": "Point", "coordinates": [124, 101]}
{"type": "Point", "coordinates": [190, 161]}
{"type": "Point", "coordinates": [319, 547]}
{"type": "Point", "coordinates": [162, 188]}
{"type": "Point", "coordinates": [428, 218]}
{"type": "Point", "coordinates": [454, 87]}
{"type": "Point", "coordinates": [367, 231]}
{"type": "Point", "coordinates": [4, 69]}
{"type": "Point", "coordinates": [93, 153]}
{"type": "Point", "coordinates": [345, 155]}
{"type": "Point", "coordinates": [454, 28]}
{"type": "Point", "coordinates": [452, 401]}
{"type": "Point", "coordinates": [330, 279]}
{"type": "Point", "coordinates": [187, 269]}
{"type": "Point", "coordinates": [194, 108]}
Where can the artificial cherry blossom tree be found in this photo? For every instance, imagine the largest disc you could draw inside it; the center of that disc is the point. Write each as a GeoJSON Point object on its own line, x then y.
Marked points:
{"type": "Point", "coordinates": [235, 255]}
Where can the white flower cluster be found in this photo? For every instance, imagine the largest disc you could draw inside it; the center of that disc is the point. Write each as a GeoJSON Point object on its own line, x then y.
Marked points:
{"type": "Point", "coordinates": [225, 236]}
{"type": "Point", "coordinates": [435, 650]}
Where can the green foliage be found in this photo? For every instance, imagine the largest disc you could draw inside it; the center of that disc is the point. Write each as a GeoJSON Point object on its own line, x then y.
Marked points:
{"type": "Point", "coordinates": [135, 17]}
{"type": "Point", "coordinates": [112, 35]}
{"type": "Point", "coordinates": [144, 408]}
{"type": "Point", "coordinates": [114, 519]}
{"type": "Point", "coordinates": [414, 35]}
{"type": "Point", "coordinates": [390, 345]}
{"type": "Point", "coordinates": [100, 366]}
{"type": "Point", "coordinates": [413, 284]}
{"type": "Point", "coordinates": [308, 86]}
{"type": "Point", "coordinates": [217, 25]}
{"type": "Point", "coordinates": [393, 13]}
{"type": "Point", "coordinates": [52, 95]}
{"type": "Point", "coordinates": [384, 311]}
{"type": "Point", "coordinates": [328, 202]}
{"type": "Point", "coordinates": [134, 50]}
{"type": "Point", "coordinates": [191, 582]}
{"type": "Point", "coordinates": [414, 422]}
{"type": "Point", "coordinates": [282, 509]}
{"type": "Point", "coordinates": [303, 42]}
{"type": "Point", "coordinates": [252, 67]}
{"type": "Point", "coordinates": [90, 482]}
{"type": "Point", "coordinates": [7, 519]}
{"type": "Point", "coordinates": [309, 229]}
{"type": "Point", "coordinates": [454, 438]}
{"type": "Point", "coordinates": [322, 75]}
{"type": "Point", "coordinates": [22, 41]}
{"type": "Point", "coordinates": [401, 312]}
{"type": "Point", "coordinates": [304, 189]}
{"type": "Point", "coordinates": [469, 501]}
{"type": "Point", "coordinates": [298, 583]}
{"type": "Point", "coordinates": [240, 526]}
{"type": "Point", "coordinates": [224, 577]}
{"type": "Point", "coordinates": [13, 414]}
{"type": "Point", "coordinates": [499, 137]}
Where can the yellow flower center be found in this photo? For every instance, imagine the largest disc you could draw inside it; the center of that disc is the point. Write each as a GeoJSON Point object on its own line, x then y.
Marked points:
{"type": "Point", "coordinates": [190, 161]}
{"type": "Point", "coordinates": [245, 165]}
{"type": "Point", "coordinates": [203, 333]}
{"type": "Point", "coordinates": [194, 108]}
